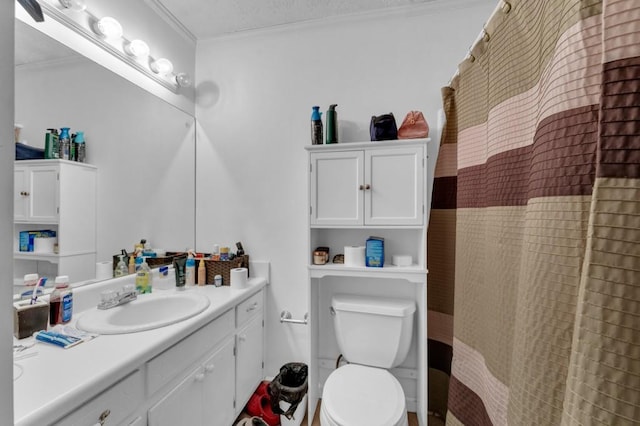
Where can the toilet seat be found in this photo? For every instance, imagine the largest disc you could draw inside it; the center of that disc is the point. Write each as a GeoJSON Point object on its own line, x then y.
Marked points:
{"type": "Point", "coordinates": [361, 395]}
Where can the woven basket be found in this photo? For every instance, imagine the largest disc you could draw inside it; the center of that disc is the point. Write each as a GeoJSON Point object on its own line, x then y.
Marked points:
{"type": "Point", "coordinates": [153, 262]}
{"type": "Point", "coordinates": [224, 267]}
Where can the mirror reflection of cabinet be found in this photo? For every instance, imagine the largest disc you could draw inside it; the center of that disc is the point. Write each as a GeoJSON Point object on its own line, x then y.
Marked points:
{"type": "Point", "coordinates": [60, 196]}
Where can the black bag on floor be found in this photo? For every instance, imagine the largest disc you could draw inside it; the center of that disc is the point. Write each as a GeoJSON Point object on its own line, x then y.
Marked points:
{"type": "Point", "coordinates": [290, 385]}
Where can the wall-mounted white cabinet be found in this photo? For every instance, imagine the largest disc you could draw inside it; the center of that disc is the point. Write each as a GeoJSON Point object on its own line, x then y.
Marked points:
{"type": "Point", "coordinates": [351, 187]}
{"type": "Point", "coordinates": [56, 195]}
{"type": "Point", "coordinates": [358, 190]}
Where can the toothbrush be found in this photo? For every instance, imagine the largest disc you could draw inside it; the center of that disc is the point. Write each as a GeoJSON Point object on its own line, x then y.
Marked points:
{"type": "Point", "coordinates": [34, 296]}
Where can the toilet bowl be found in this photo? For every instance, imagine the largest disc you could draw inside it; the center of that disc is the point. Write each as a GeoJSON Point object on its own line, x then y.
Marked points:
{"type": "Point", "coordinates": [360, 395]}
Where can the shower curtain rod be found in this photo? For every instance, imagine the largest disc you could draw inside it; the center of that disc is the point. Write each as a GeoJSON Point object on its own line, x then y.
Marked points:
{"type": "Point", "coordinates": [503, 6]}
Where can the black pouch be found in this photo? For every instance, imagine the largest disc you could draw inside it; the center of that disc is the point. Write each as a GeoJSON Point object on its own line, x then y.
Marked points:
{"type": "Point", "coordinates": [383, 127]}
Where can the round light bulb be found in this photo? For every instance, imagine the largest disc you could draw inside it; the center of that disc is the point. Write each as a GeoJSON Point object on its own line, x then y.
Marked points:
{"type": "Point", "coordinates": [137, 48]}
{"type": "Point", "coordinates": [108, 27]}
{"type": "Point", "coordinates": [77, 5]}
{"type": "Point", "coordinates": [183, 79]}
{"type": "Point", "coordinates": [161, 66]}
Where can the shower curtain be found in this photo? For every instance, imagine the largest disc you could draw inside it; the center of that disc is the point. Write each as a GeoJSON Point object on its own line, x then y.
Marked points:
{"type": "Point", "coordinates": [534, 238]}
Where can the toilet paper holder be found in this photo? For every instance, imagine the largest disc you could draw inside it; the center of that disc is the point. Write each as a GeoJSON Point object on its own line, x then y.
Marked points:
{"type": "Point", "coordinates": [285, 316]}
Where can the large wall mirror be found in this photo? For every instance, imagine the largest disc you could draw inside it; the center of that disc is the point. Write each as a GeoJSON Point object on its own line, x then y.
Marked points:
{"type": "Point", "coordinates": [142, 146]}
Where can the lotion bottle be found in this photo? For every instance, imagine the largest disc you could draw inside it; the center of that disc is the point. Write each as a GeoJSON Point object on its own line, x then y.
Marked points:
{"type": "Point", "coordinates": [190, 271]}
{"type": "Point", "coordinates": [202, 273]}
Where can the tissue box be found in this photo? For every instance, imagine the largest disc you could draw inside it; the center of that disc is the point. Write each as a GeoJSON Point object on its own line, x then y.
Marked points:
{"type": "Point", "coordinates": [28, 318]}
{"type": "Point", "coordinates": [374, 252]}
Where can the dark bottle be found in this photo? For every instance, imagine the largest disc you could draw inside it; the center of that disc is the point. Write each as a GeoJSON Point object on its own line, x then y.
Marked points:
{"type": "Point", "coordinates": [79, 147]}
{"type": "Point", "coordinates": [316, 126]}
{"type": "Point", "coordinates": [61, 302]}
{"type": "Point", "coordinates": [332, 124]}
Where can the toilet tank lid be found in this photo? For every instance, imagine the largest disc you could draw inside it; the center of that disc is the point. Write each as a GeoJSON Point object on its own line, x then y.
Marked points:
{"type": "Point", "coordinates": [373, 305]}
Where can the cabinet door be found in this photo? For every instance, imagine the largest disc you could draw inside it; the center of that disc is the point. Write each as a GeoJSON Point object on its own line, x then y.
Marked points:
{"type": "Point", "coordinates": [249, 357]}
{"type": "Point", "coordinates": [43, 198]}
{"type": "Point", "coordinates": [395, 187]}
{"type": "Point", "coordinates": [336, 182]}
{"type": "Point", "coordinates": [182, 405]}
{"type": "Point", "coordinates": [218, 387]}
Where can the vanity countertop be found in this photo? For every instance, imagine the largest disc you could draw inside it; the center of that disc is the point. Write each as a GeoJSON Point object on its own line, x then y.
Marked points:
{"type": "Point", "coordinates": [55, 380]}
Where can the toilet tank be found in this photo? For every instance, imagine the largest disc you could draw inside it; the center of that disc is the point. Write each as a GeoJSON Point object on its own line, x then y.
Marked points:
{"type": "Point", "coordinates": [373, 331]}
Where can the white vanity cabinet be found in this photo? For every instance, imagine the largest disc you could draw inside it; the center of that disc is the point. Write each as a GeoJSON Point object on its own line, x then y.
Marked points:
{"type": "Point", "coordinates": [365, 186]}
{"type": "Point", "coordinates": [61, 196]}
{"type": "Point", "coordinates": [358, 190]}
{"type": "Point", "coordinates": [223, 362]}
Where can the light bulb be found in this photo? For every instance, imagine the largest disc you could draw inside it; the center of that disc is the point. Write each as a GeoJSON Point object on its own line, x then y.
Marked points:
{"type": "Point", "coordinates": [161, 66]}
{"type": "Point", "coordinates": [183, 79]}
{"type": "Point", "coordinates": [137, 48]}
{"type": "Point", "coordinates": [108, 27]}
{"type": "Point", "coordinates": [77, 5]}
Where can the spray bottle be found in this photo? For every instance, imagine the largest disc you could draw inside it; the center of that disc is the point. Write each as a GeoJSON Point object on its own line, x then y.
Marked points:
{"type": "Point", "coordinates": [64, 144]}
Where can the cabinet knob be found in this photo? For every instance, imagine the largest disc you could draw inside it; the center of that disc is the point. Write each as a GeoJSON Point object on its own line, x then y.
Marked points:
{"type": "Point", "coordinates": [367, 187]}
{"type": "Point", "coordinates": [209, 368]}
{"type": "Point", "coordinates": [199, 377]}
{"type": "Point", "coordinates": [103, 417]}
{"type": "Point", "coordinates": [24, 193]}
{"type": "Point", "coordinates": [361, 188]}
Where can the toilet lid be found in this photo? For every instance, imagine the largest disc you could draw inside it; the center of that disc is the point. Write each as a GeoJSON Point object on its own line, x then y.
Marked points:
{"type": "Point", "coordinates": [361, 395]}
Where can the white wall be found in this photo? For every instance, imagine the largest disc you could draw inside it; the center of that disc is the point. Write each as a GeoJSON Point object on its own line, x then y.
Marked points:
{"type": "Point", "coordinates": [6, 212]}
{"type": "Point", "coordinates": [255, 93]}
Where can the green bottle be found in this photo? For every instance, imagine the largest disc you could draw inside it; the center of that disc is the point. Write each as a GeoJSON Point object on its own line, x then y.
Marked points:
{"type": "Point", "coordinates": [332, 124]}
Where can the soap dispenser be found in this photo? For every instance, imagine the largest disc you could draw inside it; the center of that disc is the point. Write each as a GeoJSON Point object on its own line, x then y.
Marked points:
{"type": "Point", "coordinates": [316, 126]}
{"type": "Point", "coordinates": [143, 276]}
{"type": "Point", "coordinates": [121, 267]}
{"type": "Point", "coordinates": [332, 124]}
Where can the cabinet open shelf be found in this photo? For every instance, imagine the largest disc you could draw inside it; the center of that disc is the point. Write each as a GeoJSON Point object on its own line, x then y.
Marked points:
{"type": "Point", "coordinates": [413, 273]}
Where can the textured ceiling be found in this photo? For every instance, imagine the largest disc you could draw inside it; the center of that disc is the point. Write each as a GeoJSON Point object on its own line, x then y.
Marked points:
{"type": "Point", "coordinates": [211, 18]}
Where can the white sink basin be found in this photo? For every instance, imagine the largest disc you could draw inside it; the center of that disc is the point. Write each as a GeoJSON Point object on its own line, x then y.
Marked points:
{"type": "Point", "coordinates": [147, 312]}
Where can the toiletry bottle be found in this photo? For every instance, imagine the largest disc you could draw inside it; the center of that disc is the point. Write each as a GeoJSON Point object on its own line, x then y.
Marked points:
{"type": "Point", "coordinates": [61, 302]}
{"type": "Point", "coordinates": [64, 144]}
{"type": "Point", "coordinates": [121, 267]}
{"type": "Point", "coordinates": [215, 255]}
{"type": "Point", "coordinates": [143, 276]}
{"type": "Point", "coordinates": [51, 144]}
{"type": "Point", "coordinates": [332, 124]}
{"type": "Point", "coordinates": [316, 126]}
{"type": "Point", "coordinates": [224, 253]}
{"type": "Point", "coordinates": [190, 271]}
{"type": "Point", "coordinates": [202, 273]}
{"type": "Point", "coordinates": [80, 150]}
{"type": "Point", "coordinates": [132, 264]}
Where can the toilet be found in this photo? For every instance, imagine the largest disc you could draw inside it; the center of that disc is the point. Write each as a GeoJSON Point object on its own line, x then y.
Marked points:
{"type": "Point", "coordinates": [374, 334]}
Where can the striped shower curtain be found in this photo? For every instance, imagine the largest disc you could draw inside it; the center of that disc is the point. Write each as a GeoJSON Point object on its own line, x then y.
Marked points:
{"type": "Point", "coordinates": [534, 238]}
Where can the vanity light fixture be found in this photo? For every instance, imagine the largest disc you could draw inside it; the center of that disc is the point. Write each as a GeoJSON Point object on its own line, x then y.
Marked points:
{"type": "Point", "coordinates": [183, 79]}
{"type": "Point", "coordinates": [108, 27]}
{"type": "Point", "coordinates": [137, 48]}
{"type": "Point", "coordinates": [161, 66]}
{"type": "Point", "coordinates": [77, 5]}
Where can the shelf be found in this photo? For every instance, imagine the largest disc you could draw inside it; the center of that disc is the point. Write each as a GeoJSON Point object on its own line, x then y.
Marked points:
{"type": "Point", "coordinates": [413, 273]}
{"type": "Point", "coordinates": [48, 257]}
{"type": "Point", "coordinates": [365, 227]}
{"type": "Point", "coordinates": [346, 146]}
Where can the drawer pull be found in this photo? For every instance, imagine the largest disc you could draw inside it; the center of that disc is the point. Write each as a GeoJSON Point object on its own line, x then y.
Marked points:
{"type": "Point", "coordinates": [199, 377]}
{"type": "Point", "coordinates": [103, 417]}
{"type": "Point", "coordinates": [209, 368]}
{"type": "Point", "coordinates": [253, 307]}
{"type": "Point", "coordinates": [242, 337]}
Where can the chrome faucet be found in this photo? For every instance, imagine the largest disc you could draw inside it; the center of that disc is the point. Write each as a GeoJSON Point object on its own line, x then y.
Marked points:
{"type": "Point", "coordinates": [111, 298]}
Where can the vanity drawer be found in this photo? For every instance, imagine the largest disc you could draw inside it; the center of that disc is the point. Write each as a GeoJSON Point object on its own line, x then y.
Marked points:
{"type": "Point", "coordinates": [167, 365]}
{"type": "Point", "coordinates": [113, 405]}
{"type": "Point", "coordinates": [248, 308]}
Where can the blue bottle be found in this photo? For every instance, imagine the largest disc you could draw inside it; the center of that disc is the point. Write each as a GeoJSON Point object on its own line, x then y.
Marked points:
{"type": "Point", "coordinates": [64, 144]}
{"type": "Point", "coordinates": [316, 126]}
